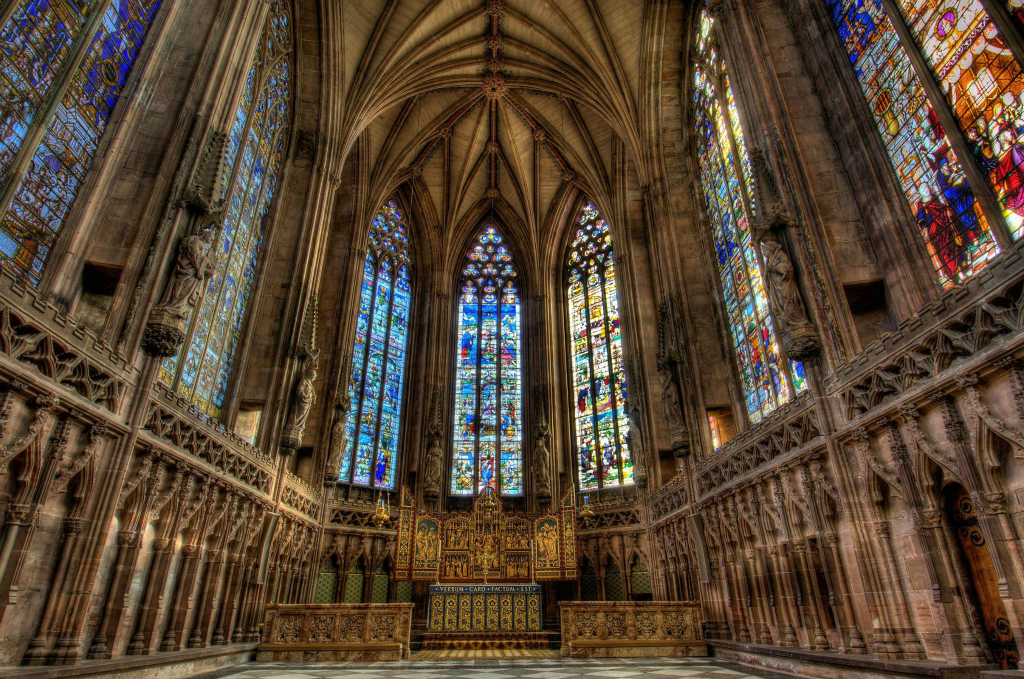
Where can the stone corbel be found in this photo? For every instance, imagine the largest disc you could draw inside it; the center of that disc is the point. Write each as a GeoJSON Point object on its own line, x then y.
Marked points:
{"type": "Point", "coordinates": [97, 436]}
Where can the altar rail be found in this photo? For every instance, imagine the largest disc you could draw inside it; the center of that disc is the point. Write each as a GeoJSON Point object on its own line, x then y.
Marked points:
{"type": "Point", "coordinates": [328, 632]}
{"type": "Point", "coordinates": [627, 629]}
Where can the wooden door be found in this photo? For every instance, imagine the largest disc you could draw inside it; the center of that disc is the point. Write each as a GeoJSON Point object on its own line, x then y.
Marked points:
{"type": "Point", "coordinates": [982, 574]}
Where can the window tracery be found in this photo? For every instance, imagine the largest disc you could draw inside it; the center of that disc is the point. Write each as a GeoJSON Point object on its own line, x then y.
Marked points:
{"type": "Point", "coordinates": [487, 451]}
{"type": "Point", "coordinates": [378, 359]}
{"type": "Point", "coordinates": [255, 151]}
{"type": "Point", "coordinates": [981, 84]}
{"type": "Point", "coordinates": [727, 181]}
{"type": "Point", "coordinates": [51, 124]}
{"type": "Point", "coordinates": [598, 374]}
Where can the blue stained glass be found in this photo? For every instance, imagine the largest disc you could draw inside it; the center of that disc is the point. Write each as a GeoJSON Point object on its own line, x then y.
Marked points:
{"type": "Point", "coordinates": [599, 380]}
{"type": "Point", "coordinates": [488, 373]}
{"type": "Point", "coordinates": [36, 42]}
{"type": "Point", "coordinates": [726, 178]}
{"type": "Point", "coordinates": [378, 359]}
{"type": "Point", "coordinates": [256, 147]}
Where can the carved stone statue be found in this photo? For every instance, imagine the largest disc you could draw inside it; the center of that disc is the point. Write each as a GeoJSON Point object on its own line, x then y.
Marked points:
{"type": "Point", "coordinates": [432, 469]}
{"type": "Point", "coordinates": [542, 462]}
{"type": "Point", "coordinates": [339, 440]}
{"type": "Point", "coordinates": [635, 441]}
{"type": "Point", "coordinates": [433, 459]}
{"type": "Point", "coordinates": [673, 409]}
{"type": "Point", "coordinates": [799, 336]}
{"type": "Point", "coordinates": [305, 396]}
{"type": "Point", "coordinates": [165, 331]}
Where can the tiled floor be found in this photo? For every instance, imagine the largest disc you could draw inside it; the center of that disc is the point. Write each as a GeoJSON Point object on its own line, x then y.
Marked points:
{"type": "Point", "coordinates": [536, 668]}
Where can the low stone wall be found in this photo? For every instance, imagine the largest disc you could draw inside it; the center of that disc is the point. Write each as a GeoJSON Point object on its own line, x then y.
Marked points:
{"type": "Point", "coordinates": [626, 629]}
{"type": "Point", "coordinates": [323, 632]}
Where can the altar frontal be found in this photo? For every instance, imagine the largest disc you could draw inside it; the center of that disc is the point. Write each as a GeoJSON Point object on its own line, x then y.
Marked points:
{"type": "Point", "coordinates": [484, 608]}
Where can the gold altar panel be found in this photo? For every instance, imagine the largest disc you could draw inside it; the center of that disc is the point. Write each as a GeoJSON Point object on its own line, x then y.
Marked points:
{"type": "Point", "coordinates": [484, 608]}
{"type": "Point", "coordinates": [486, 544]}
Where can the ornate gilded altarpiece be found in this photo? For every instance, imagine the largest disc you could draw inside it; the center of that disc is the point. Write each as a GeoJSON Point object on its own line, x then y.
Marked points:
{"type": "Point", "coordinates": [486, 544]}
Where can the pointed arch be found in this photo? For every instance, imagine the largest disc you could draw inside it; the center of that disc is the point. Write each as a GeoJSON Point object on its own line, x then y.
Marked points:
{"type": "Point", "coordinates": [727, 181]}
{"type": "Point", "coordinates": [379, 354]}
{"type": "Point", "coordinates": [51, 125]}
{"type": "Point", "coordinates": [488, 449]}
{"type": "Point", "coordinates": [600, 423]}
{"type": "Point", "coordinates": [255, 153]}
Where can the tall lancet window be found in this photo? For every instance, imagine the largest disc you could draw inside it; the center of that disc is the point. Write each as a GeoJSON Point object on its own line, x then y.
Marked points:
{"type": "Point", "coordinates": [598, 373]}
{"type": "Point", "coordinates": [981, 83]}
{"type": "Point", "coordinates": [488, 439]}
{"type": "Point", "coordinates": [378, 359]}
{"type": "Point", "coordinates": [726, 178]}
{"type": "Point", "coordinates": [255, 151]}
{"type": "Point", "coordinates": [63, 65]}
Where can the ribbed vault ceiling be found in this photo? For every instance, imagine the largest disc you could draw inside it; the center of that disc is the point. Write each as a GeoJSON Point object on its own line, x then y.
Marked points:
{"type": "Point", "coordinates": [493, 104]}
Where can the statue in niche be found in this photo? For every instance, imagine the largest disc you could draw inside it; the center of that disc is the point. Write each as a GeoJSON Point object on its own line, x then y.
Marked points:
{"type": "Point", "coordinates": [339, 441]}
{"type": "Point", "coordinates": [190, 268]}
{"type": "Point", "coordinates": [165, 330]}
{"type": "Point", "coordinates": [635, 441]}
{"type": "Point", "coordinates": [433, 461]}
{"type": "Point", "coordinates": [799, 336]}
{"type": "Point", "coordinates": [673, 409]}
{"type": "Point", "coordinates": [542, 461]}
{"type": "Point", "coordinates": [432, 469]}
{"type": "Point", "coordinates": [305, 396]}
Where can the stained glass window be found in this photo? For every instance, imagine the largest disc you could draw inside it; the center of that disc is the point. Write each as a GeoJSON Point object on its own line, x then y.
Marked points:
{"type": "Point", "coordinates": [716, 437]}
{"type": "Point", "coordinates": [256, 148]}
{"type": "Point", "coordinates": [35, 44]}
{"type": "Point", "coordinates": [983, 84]}
{"type": "Point", "coordinates": [488, 449]}
{"type": "Point", "coordinates": [378, 360]}
{"type": "Point", "coordinates": [727, 180]}
{"type": "Point", "coordinates": [599, 378]}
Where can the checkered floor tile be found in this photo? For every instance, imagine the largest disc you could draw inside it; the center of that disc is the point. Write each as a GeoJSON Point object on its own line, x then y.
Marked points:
{"type": "Point", "coordinates": [535, 668]}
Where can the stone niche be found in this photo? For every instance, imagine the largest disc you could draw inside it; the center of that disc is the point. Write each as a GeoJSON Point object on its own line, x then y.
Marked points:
{"type": "Point", "coordinates": [328, 632]}
{"type": "Point", "coordinates": [626, 629]}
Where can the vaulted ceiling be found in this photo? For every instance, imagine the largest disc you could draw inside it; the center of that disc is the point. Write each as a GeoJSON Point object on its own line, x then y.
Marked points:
{"type": "Point", "coordinates": [495, 105]}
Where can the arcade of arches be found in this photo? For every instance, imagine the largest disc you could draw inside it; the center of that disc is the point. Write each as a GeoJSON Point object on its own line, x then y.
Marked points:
{"type": "Point", "coordinates": [734, 288]}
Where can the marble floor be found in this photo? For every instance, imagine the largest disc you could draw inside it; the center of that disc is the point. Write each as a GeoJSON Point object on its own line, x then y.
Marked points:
{"type": "Point", "coordinates": [534, 668]}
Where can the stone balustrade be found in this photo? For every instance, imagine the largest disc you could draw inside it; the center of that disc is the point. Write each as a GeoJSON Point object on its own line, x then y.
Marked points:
{"type": "Point", "coordinates": [629, 629]}
{"type": "Point", "coordinates": [330, 632]}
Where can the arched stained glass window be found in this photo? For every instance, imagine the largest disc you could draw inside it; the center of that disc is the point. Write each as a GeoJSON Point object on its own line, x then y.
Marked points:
{"type": "Point", "coordinates": [378, 359]}
{"type": "Point", "coordinates": [982, 83]}
{"type": "Point", "coordinates": [255, 150]}
{"type": "Point", "coordinates": [51, 124]}
{"type": "Point", "coordinates": [598, 374]}
{"type": "Point", "coordinates": [727, 180]}
{"type": "Point", "coordinates": [488, 448]}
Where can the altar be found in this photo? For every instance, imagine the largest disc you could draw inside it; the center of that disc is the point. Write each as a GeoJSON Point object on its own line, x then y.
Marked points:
{"type": "Point", "coordinates": [484, 609]}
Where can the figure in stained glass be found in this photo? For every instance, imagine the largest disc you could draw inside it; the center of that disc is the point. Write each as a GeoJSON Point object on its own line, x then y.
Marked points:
{"type": "Point", "coordinates": [598, 372]}
{"type": "Point", "coordinates": [378, 359]}
{"type": "Point", "coordinates": [951, 223]}
{"type": "Point", "coordinates": [726, 178]}
{"type": "Point", "coordinates": [487, 429]}
{"type": "Point", "coordinates": [34, 46]}
{"type": "Point", "coordinates": [255, 153]}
